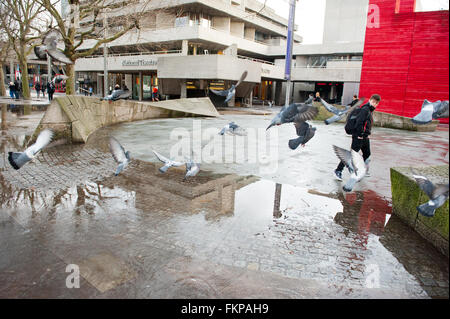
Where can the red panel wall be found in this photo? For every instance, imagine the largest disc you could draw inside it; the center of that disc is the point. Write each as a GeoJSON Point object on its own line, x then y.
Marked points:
{"type": "Point", "coordinates": [406, 59]}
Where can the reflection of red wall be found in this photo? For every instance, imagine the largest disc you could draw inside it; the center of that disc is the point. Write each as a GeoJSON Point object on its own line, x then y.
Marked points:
{"type": "Point", "coordinates": [406, 59]}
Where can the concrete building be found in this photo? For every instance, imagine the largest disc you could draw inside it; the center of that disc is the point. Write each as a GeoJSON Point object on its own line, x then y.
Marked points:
{"type": "Point", "coordinates": [185, 47]}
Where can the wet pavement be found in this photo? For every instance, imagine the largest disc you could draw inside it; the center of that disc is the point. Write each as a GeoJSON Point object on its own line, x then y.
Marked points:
{"type": "Point", "coordinates": [236, 230]}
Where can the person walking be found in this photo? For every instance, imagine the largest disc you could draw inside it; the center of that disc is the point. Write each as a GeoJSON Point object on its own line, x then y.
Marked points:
{"type": "Point", "coordinates": [17, 89]}
{"type": "Point", "coordinates": [12, 89]}
{"type": "Point", "coordinates": [90, 90]}
{"type": "Point", "coordinates": [43, 88]}
{"type": "Point", "coordinates": [50, 90]}
{"type": "Point", "coordinates": [354, 101]}
{"type": "Point", "coordinates": [361, 132]}
{"type": "Point", "coordinates": [37, 87]}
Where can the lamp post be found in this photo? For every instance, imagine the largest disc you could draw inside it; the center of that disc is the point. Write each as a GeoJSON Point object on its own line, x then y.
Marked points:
{"type": "Point", "coordinates": [290, 41]}
{"type": "Point", "coordinates": [105, 57]}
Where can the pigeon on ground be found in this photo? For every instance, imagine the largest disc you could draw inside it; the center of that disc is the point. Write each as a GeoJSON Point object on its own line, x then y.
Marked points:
{"type": "Point", "coordinates": [232, 90]}
{"type": "Point", "coordinates": [121, 156]}
{"type": "Point", "coordinates": [296, 112]}
{"type": "Point", "coordinates": [192, 168]}
{"type": "Point", "coordinates": [305, 132]}
{"type": "Point", "coordinates": [339, 113]}
{"type": "Point", "coordinates": [431, 111]}
{"type": "Point", "coordinates": [168, 163]}
{"type": "Point", "coordinates": [355, 164]}
{"type": "Point", "coordinates": [18, 159]}
{"type": "Point", "coordinates": [49, 47]}
{"type": "Point", "coordinates": [233, 128]}
{"type": "Point", "coordinates": [438, 194]}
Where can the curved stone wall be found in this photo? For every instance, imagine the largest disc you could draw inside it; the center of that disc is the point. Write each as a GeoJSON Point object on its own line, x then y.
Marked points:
{"type": "Point", "coordinates": [76, 117]}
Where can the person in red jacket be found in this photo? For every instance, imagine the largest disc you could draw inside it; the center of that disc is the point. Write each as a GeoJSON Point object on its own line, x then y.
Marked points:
{"type": "Point", "coordinates": [155, 94]}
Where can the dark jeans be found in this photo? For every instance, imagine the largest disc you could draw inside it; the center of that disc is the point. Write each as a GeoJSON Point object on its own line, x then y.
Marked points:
{"type": "Point", "coordinates": [50, 96]}
{"type": "Point", "coordinates": [357, 145]}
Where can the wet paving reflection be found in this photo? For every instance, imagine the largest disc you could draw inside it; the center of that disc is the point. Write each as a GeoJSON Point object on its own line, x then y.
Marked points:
{"type": "Point", "coordinates": [229, 220]}
{"type": "Point", "coordinates": [144, 234]}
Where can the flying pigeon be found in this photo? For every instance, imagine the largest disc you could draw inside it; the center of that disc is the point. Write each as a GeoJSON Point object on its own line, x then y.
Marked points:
{"type": "Point", "coordinates": [233, 128]}
{"type": "Point", "coordinates": [192, 168]}
{"type": "Point", "coordinates": [50, 47]}
{"type": "Point", "coordinates": [296, 112]}
{"type": "Point", "coordinates": [431, 111]}
{"type": "Point", "coordinates": [168, 163]}
{"type": "Point", "coordinates": [305, 132]}
{"type": "Point", "coordinates": [232, 90]}
{"type": "Point", "coordinates": [438, 194]}
{"type": "Point", "coordinates": [59, 78]}
{"type": "Point", "coordinates": [118, 95]}
{"type": "Point", "coordinates": [119, 154]}
{"type": "Point", "coordinates": [338, 113]}
{"type": "Point", "coordinates": [18, 159]}
{"type": "Point", "coordinates": [355, 164]}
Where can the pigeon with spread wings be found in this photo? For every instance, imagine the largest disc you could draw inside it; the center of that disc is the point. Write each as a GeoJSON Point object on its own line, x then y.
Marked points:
{"type": "Point", "coordinates": [168, 163]}
{"type": "Point", "coordinates": [49, 47]}
{"type": "Point", "coordinates": [339, 113]}
{"type": "Point", "coordinates": [18, 159]}
{"type": "Point", "coordinates": [431, 111]}
{"type": "Point", "coordinates": [438, 194]}
{"type": "Point", "coordinates": [355, 164]}
{"type": "Point", "coordinates": [119, 154]}
{"type": "Point", "coordinates": [228, 94]}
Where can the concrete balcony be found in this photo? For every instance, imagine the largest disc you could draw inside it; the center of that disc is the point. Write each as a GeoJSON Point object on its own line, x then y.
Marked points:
{"type": "Point", "coordinates": [222, 8]}
{"type": "Point", "coordinates": [335, 71]}
{"type": "Point", "coordinates": [223, 67]}
{"type": "Point", "coordinates": [195, 32]}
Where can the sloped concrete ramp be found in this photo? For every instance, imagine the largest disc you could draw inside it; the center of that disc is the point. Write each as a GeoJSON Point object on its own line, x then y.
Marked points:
{"type": "Point", "coordinates": [76, 117]}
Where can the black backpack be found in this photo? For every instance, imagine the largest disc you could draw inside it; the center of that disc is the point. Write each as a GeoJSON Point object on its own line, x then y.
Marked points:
{"type": "Point", "coordinates": [351, 120]}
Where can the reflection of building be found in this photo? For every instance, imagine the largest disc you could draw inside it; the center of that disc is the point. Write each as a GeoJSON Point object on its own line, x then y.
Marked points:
{"type": "Point", "coordinates": [212, 193]}
{"type": "Point", "coordinates": [141, 186]}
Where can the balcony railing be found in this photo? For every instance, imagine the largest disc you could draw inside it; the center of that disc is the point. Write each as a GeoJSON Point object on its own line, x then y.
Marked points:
{"type": "Point", "coordinates": [134, 53]}
{"type": "Point", "coordinates": [255, 60]}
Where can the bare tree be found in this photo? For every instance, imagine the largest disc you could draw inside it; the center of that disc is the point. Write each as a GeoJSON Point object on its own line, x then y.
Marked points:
{"type": "Point", "coordinates": [20, 20]}
{"type": "Point", "coordinates": [96, 21]}
{"type": "Point", "coordinates": [4, 49]}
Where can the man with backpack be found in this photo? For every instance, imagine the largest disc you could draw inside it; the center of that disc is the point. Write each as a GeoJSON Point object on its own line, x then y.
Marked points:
{"type": "Point", "coordinates": [359, 125]}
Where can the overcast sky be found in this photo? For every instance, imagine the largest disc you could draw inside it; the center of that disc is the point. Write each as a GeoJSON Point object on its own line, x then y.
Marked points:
{"type": "Point", "coordinates": [309, 16]}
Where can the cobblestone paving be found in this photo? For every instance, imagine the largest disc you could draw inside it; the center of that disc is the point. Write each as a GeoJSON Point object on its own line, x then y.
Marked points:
{"type": "Point", "coordinates": [215, 236]}
{"type": "Point", "coordinates": [69, 202]}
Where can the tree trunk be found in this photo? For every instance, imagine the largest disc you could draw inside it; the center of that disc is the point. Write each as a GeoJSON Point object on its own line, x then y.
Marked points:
{"type": "Point", "coordinates": [2, 81]}
{"type": "Point", "coordinates": [25, 85]}
{"type": "Point", "coordinates": [70, 82]}
{"type": "Point", "coordinates": [4, 112]}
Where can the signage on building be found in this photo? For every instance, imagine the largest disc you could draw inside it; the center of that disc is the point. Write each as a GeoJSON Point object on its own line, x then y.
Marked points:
{"type": "Point", "coordinates": [140, 62]}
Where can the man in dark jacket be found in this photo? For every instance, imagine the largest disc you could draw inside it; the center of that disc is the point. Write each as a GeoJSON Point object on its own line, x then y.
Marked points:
{"type": "Point", "coordinates": [360, 136]}
{"type": "Point", "coordinates": [17, 89]}
{"type": "Point", "coordinates": [50, 90]}
{"type": "Point", "coordinates": [37, 87]}
{"type": "Point", "coordinates": [354, 101]}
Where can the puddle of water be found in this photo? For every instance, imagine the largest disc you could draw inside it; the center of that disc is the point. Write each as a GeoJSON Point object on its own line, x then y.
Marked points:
{"type": "Point", "coordinates": [307, 228]}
